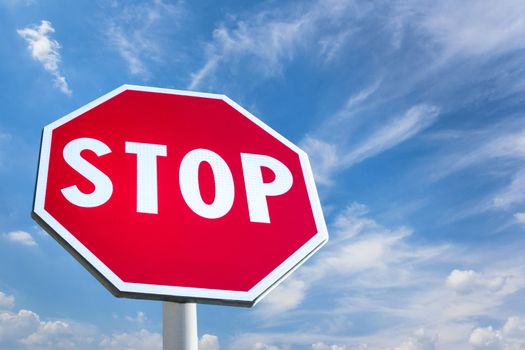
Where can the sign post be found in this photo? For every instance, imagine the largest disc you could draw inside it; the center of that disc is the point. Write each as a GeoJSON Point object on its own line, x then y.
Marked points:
{"type": "Point", "coordinates": [178, 196]}
{"type": "Point", "coordinates": [179, 326]}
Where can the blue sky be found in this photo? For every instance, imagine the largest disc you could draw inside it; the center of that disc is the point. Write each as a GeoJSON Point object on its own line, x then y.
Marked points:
{"type": "Point", "coordinates": [411, 112]}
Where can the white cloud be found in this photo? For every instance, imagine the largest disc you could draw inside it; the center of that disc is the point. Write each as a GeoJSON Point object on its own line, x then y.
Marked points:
{"type": "Point", "coordinates": [418, 340]}
{"type": "Point", "coordinates": [55, 335]}
{"type": "Point", "coordinates": [6, 301]}
{"type": "Point", "coordinates": [351, 220]}
{"type": "Point", "coordinates": [136, 32]}
{"type": "Point", "coordinates": [46, 51]}
{"type": "Point", "coordinates": [209, 342]}
{"type": "Point", "coordinates": [287, 296]}
{"type": "Point", "coordinates": [25, 330]}
{"type": "Point", "coordinates": [510, 337]}
{"type": "Point", "coordinates": [520, 218]}
{"type": "Point", "coordinates": [140, 340]}
{"type": "Point", "coordinates": [514, 328]}
{"type": "Point", "coordinates": [466, 295]}
{"type": "Point", "coordinates": [323, 346]}
{"type": "Point", "coordinates": [140, 318]}
{"type": "Point", "coordinates": [462, 280]}
{"type": "Point", "coordinates": [263, 346]}
{"type": "Point", "coordinates": [421, 340]}
{"type": "Point", "coordinates": [486, 338]}
{"type": "Point", "coordinates": [466, 281]}
{"type": "Point", "coordinates": [20, 237]}
{"type": "Point", "coordinates": [17, 326]}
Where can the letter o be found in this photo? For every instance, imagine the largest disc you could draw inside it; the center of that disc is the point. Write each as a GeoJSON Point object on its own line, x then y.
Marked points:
{"type": "Point", "coordinates": [189, 183]}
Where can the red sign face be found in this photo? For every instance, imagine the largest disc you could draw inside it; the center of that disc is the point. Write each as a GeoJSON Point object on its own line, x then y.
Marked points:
{"type": "Point", "coordinates": [175, 195]}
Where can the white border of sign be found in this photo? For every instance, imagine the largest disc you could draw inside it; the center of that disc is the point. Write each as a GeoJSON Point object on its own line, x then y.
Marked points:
{"type": "Point", "coordinates": [169, 293]}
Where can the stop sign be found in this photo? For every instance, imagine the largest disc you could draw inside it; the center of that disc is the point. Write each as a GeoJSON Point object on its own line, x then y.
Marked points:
{"type": "Point", "coordinates": [176, 195]}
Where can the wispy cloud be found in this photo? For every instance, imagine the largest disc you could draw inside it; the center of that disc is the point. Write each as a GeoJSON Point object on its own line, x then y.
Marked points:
{"type": "Point", "coordinates": [399, 129]}
{"type": "Point", "coordinates": [464, 149]}
{"type": "Point", "coordinates": [487, 29]}
{"type": "Point", "coordinates": [329, 158]}
{"type": "Point", "coordinates": [439, 32]}
{"type": "Point", "coordinates": [331, 45]}
{"type": "Point", "coordinates": [197, 77]}
{"type": "Point", "coordinates": [356, 99]}
{"type": "Point", "coordinates": [513, 194]}
{"type": "Point", "coordinates": [127, 49]}
{"type": "Point", "coordinates": [496, 152]}
{"type": "Point", "coordinates": [265, 42]}
{"type": "Point", "coordinates": [20, 237]}
{"type": "Point", "coordinates": [478, 58]}
{"type": "Point", "coordinates": [46, 51]}
{"type": "Point", "coordinates": [136, 32]}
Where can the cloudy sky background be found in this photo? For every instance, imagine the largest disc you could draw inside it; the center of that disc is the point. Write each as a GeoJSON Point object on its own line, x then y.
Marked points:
{"type": "Point", "coordinates": [412, 113]}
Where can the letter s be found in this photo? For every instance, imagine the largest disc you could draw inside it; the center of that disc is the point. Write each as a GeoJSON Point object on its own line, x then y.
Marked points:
{"type": "Point", "coordinates": [103, 186]}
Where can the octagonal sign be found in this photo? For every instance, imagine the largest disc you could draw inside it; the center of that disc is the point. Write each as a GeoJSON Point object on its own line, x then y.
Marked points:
{"type": "Point", "coordinates": [175, 195]}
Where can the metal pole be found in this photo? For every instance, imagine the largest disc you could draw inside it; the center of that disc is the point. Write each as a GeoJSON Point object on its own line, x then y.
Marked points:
{"type": "Point", "coordinates": [179, 323]}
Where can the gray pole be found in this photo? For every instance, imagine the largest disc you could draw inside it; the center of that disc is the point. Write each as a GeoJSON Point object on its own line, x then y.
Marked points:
{"type": "Point", "coordinates": [179, 326]}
